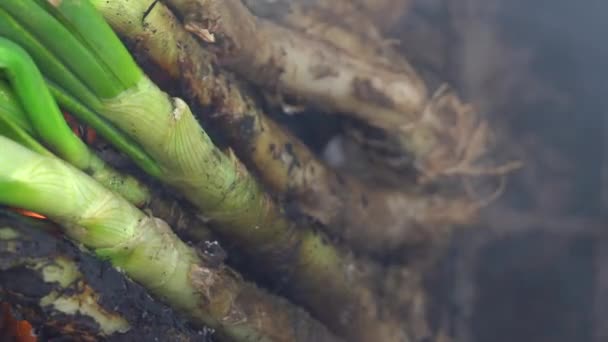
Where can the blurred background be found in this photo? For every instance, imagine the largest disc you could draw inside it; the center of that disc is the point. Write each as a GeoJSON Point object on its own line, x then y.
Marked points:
{"type": "Point", "coordinates": [536, 267]}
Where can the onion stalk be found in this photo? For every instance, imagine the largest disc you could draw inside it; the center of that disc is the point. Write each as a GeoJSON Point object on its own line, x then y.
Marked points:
{"type": "Point", "coordinates": [147, 250]}
{"type": "Point", "coordinates": [46, 122]}
{"type": "Point", "coordinates": [15, 124]}
{"type": "Point", "coordinates": [73, 93]}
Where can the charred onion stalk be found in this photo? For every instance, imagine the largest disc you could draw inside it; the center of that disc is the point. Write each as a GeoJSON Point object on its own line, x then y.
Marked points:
{"type": "Point", "coordinates": [291, 167]}
{"type": "Point", "coordinates": [365, 17]}
{"type": "Point", "coordinates": [347, 207]}
{"type": "Point", "coordinates": [341, 23]}
{"type": "Point", "coordinates": [318, 275]}
{"type": "Point", "coordinates": [148, 251]}
{"type": "Point", "coordinates": [288, 60]}
{"type": "Point", "coordinates": [444, 136]}
{"type": "Point", "coordinates": [65, 293]}
{"type": "Point", "coordinates": [384, 13]}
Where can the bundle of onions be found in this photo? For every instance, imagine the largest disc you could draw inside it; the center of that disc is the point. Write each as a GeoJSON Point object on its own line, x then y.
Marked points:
{"type": "Point", "coordinates": [86, 69]}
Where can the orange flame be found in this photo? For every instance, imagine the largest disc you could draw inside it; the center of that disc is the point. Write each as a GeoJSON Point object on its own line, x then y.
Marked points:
{"type": "Point", "coordinates": [12, 329]}
{"type": "Point", "coordinates": [83, 132]}
{"type": "Point", "coordinates": [29, 213]}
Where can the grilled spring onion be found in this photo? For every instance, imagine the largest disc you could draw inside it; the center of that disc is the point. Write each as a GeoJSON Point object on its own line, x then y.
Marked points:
{"type": "Point", "coordinates": [216, 183]}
